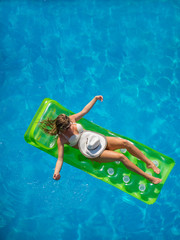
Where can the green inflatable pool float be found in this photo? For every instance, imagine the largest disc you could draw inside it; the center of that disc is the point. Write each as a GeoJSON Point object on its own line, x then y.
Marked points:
{"type": "Point", "coordinates": [114, 173]}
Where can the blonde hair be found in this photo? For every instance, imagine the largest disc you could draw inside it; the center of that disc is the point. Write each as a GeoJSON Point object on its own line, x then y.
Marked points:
{"type": "Point", "coordinates": [53, 127]}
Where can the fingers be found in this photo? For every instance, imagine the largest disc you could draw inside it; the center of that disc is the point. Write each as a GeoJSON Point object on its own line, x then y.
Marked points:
{"type": "Point", "coordinates": [56, 176]}
{"type": "Point", "coordinates": [99, 98]}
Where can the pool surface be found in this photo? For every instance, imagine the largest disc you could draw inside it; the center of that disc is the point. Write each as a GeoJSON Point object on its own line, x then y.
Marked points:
{"type": "Point", "coordinates": [70, 51]}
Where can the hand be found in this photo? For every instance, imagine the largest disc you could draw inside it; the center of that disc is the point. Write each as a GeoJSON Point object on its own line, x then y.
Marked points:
{"type": "Point", "coordinates": [99, 98]}
{"type": "Point", "coordinates": [56, 176]}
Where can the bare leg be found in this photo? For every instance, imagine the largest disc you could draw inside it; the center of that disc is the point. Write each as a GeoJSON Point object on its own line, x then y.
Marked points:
{"type": "Point", "coordinates": [116, 143]}
{"type": "Point", "coordinates": [110, 156]}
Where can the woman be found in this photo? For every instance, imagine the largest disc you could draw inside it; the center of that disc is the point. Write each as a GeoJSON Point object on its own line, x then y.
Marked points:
{"type": "Point", "coordinates": [94, 146]}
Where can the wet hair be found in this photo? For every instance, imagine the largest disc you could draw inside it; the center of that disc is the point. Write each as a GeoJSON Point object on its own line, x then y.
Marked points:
{"type": "Point", "coordinates": [53, 127]}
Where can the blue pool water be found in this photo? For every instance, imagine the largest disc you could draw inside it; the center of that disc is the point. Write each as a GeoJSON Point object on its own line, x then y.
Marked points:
{"type": "Point", "coordinates": [70, 51]}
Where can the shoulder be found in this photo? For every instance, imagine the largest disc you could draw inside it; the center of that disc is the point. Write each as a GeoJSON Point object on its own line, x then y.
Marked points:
{"type": "Point", "coordinates": [77, 116]}
{"type": "Point", "coordinates": [72, 118]}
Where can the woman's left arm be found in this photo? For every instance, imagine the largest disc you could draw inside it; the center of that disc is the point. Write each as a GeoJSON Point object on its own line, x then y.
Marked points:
{"type": "Point", "coordinates": [87, 108]}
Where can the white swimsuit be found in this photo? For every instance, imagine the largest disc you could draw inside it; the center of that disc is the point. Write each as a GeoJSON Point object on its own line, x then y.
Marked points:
{"type": "Point", "coordinates": [73, 140]}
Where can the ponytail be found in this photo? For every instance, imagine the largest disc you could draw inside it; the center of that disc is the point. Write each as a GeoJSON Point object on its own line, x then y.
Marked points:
{"type": "Point", "coordinates": [53, 127]}
{"type": "Point", "coordinates": [49, 126]}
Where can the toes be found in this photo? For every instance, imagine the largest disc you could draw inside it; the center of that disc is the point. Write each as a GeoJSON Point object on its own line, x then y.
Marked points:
{"type": "Point", "coordinates": [157, 170]}
{"type": "Point", "coordinates": [156, 181]}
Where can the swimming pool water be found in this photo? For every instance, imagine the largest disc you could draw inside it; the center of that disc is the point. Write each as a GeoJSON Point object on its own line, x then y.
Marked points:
{"type": "Point", "coordinates": [70, 51]}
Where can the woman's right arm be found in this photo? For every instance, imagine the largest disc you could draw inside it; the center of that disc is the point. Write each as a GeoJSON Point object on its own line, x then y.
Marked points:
{"type": "Point", "coordinates": [59, 162]}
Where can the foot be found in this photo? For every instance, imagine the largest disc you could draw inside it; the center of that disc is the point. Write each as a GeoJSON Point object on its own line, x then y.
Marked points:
{"type": "Point", "coordinates": [156, 180]}
{"type": "Point", "coordinates": [154, 168]}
